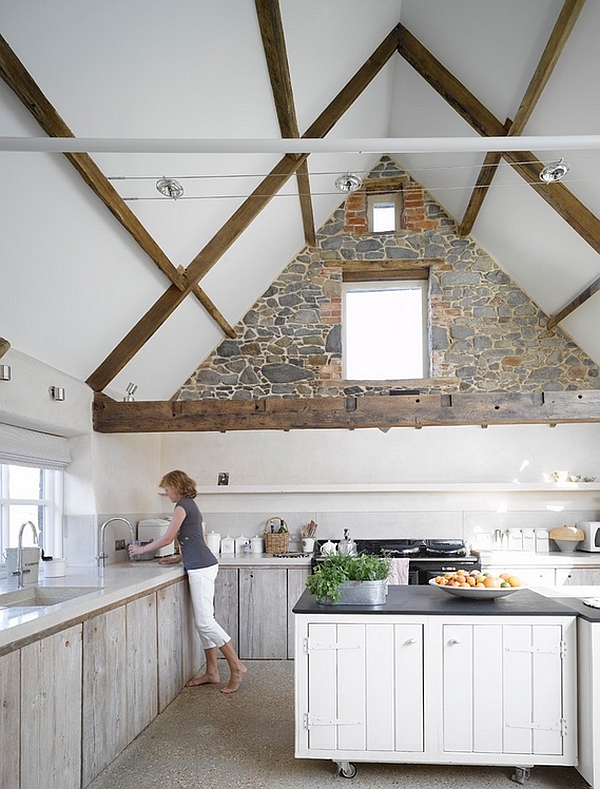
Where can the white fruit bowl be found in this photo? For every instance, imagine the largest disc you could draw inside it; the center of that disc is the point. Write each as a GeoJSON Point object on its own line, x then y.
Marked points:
{"type": "Point", "coordinates": [477, 593]}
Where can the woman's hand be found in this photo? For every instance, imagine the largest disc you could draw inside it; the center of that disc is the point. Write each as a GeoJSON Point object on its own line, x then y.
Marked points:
{"type": "Point", "coordinates": [135, 550]}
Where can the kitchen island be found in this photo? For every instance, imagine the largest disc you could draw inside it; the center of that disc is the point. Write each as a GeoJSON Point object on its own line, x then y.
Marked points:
{"type": "Point", "coordinates": [430, 678]}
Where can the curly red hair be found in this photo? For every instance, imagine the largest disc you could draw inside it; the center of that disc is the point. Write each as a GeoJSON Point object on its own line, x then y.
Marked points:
{"type": "Point", "coordinates": [179, 481]}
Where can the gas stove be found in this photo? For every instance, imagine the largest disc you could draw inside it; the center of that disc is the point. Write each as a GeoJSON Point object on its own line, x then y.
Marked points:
{"type": "Point", "coordinates": [427, 558]}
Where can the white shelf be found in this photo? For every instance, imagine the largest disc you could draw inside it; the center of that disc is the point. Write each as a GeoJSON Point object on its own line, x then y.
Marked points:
{"type": "Point", "coordinates": [408, 487]}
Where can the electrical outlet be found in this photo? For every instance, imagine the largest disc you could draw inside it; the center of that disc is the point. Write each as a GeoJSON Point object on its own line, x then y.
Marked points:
{"type": "Point", "coordinates": [223, 478]}
{"type": "Point", "coordinates": [120, 545]}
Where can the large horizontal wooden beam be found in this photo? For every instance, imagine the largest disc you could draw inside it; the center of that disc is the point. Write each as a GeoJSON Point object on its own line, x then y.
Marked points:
{"type": "Point", "coordinates": [382, 411]}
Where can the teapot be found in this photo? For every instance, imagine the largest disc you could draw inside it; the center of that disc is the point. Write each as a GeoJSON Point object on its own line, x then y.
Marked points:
{"type": "Point", "coordinates": [347, 546]}
{"type": "Point", "coordinates": [328, 548]}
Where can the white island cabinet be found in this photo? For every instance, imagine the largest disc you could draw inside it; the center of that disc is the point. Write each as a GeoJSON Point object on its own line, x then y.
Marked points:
{"type": "Point", "coordinates": [432, 679]}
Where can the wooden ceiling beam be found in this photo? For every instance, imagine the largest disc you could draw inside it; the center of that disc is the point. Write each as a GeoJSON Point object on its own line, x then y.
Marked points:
{"type": "Point", "coordinates": [557, 195]}
{"type": "Point", "coordinates": [273, 38]}
{"type": "Point", "coordinates": [239, 221]}
{"type": "Point", "coordinates": [552, 51]}
{"type": "Point", "coordinates": [351, 413]}
{"type": "Point", "coordinates": [18, 79]}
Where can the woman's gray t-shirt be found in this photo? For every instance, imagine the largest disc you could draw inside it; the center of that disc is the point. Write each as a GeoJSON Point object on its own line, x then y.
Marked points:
{"type": "Point", "coordinates": [194, 551]}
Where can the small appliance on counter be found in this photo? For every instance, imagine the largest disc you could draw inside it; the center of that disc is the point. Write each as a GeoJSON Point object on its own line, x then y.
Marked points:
{"type": "Point", "coordinates": [151, 529]}
{"type": "Point", "coordinates": [591, 539]}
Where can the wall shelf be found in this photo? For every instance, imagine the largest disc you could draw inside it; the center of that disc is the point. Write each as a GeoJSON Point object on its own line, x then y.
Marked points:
{"type": "Point", "coordinates": [404, 487]}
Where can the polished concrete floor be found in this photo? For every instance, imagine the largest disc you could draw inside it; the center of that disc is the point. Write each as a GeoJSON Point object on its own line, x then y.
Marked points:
{"type": "Point", "coordinates": [205, 740]}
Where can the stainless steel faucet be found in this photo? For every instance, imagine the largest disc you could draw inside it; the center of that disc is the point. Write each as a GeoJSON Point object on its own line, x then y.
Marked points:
{"type": "Point", "coordinates": [20, 571]}
{"type": "Point", "coordinates": [102, 556]}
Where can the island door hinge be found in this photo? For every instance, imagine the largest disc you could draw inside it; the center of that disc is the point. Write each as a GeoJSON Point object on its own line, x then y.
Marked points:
{"type": "Point", "coordinates": [559, 725]}
{"type": "Point", "coordinates": [559, 649]}
{"type": "Point", "coordinates": [320, 720]}
{"type": "Point", "coordinates": [314, 646]}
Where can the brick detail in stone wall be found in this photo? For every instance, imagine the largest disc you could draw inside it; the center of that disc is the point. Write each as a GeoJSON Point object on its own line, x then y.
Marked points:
{"type": "Point", "coordinates": [485, 333]}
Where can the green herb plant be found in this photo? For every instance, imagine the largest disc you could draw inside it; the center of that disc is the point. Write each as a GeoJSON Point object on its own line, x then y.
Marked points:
{"type": "Point", "coordinates": [334, 570]}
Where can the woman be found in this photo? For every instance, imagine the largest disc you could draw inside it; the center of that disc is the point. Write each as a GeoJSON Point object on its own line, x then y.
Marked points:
{"type": "Point", "coordinates": [202, 567]}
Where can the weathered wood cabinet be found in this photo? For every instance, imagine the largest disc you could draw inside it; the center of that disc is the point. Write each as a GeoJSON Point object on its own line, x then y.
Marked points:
{"type": "Point", "coordinates": [104, 691]}
{"type": "Point", "coordinates": [70, 702]}
{"type": "Point", "coordinates": [254, 606]}
{"type": "Point", "coordinates": [51, 711]}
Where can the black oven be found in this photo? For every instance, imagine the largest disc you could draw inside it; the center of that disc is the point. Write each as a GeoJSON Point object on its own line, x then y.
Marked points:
{"type": "Point", "coordinates": [426, 558]}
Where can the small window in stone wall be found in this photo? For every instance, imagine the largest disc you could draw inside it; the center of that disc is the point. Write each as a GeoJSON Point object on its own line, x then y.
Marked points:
{"type": "Point", "coordinates": [384, 212]}
{"type": "Point", "coordinates": [385, 330]}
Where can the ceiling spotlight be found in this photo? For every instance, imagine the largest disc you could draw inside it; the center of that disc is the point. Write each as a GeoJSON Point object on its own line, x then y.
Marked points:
{"type": "Point", "coordinates": [555, 171]}
{"type": "Point", "coordinates": [348, 183]}
{"type": "Point", "coordinates": [169, 187]}
{"type": "Point", "coordinates": [131, 390]}
{"type": "Point", "coordinates": [57, 393]}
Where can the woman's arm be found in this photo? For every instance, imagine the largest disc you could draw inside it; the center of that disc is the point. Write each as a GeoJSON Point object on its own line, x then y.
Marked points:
{"type": "Point", "coordinates": [170, 534]}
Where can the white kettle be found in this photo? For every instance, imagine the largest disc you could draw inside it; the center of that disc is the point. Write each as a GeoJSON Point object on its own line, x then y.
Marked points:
{"type": "Point", "coordinates": [328, 548]}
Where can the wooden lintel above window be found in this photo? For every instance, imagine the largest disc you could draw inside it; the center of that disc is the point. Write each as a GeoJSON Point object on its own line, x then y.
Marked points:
{"type": "Point", "coordinates": [384, 411]}
{"type": "Point", "coordinates": [393, 184]}
{"type": "Point", "coordinates": [381, 270]}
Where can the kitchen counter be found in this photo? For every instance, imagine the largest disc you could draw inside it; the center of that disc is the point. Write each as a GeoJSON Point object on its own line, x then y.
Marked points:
{"type": "Point", "coordinates": [429, 601]}
{"type": "Point", "coordinates": [118, 583]}
{"type": "Point", "coordinates": [549, 559]}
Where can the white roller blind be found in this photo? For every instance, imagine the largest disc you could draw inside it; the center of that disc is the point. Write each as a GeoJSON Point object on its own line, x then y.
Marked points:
{"type": "Point", "coordinates": [30, 448]}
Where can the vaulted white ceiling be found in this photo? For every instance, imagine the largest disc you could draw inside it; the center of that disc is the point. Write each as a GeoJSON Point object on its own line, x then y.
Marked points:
{"type": "Point", "coordinates": [73, 282]}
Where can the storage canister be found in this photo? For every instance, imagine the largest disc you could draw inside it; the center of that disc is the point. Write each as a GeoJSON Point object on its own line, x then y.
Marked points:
{"type": "Point", "coordinates": [240, 542]}
{"type": "Point", "coordinates": [257, 544]}
{"type": "Point", "coordinates": [227, 545]}
{"type": "Point", "coordinates": [528, 540]}
{"type": "Point", "coordinates": [213, 540]}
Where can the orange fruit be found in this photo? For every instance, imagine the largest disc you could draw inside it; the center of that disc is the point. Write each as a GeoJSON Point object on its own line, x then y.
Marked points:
{"type": "Point", "coordinates": [514, 581]}
{"type": "Point", "coordinates": [491, 582]}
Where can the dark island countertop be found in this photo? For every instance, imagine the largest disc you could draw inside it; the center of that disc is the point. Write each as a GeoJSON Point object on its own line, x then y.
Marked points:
{"type": "Point", "coordinates": [426, 600]}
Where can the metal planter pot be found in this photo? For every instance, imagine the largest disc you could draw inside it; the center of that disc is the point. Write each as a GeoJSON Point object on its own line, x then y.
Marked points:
{"type": "Point", "coordinates": [361, 593]}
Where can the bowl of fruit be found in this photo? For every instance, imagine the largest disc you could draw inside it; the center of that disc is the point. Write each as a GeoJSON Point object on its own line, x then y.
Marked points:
{"type": "Point", "coordinates": [477, 585]}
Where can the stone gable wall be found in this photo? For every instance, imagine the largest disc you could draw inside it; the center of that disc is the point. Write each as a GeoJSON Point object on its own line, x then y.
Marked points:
{"type": "Point", "coordinates": [485, 333]}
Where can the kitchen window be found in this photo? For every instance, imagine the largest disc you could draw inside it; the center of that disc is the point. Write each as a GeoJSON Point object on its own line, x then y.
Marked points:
{"type": "Point", "coordinates": [31, 494]}
{"type": "Point", "coordinates": [384, 212]}
{"type": "Point", "coordinates": [385, 330]}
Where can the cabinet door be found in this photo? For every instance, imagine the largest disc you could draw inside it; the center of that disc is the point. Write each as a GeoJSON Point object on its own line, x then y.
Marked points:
{"type": "Point", "coordinates": [10, 719]}
{"type": "Point", "coordinates": [362, 682]}
{"type": "Point", "coordinates": [503, 689]}
{"type": "Point", "coordinates": [296, 583]}
{"type": "Point", "coordinates": [192, 652]}
{"type": "Point", "coordinates": [263, 613]}
{"type": "Point", "coordinates": [51, 711]}
{"type": "Point", "coordinates": [104, 691]}
{"type": "Point", "coordinates": [142, 684]}
{"type": "Point", "coordinates": [170, 623]}
{"type": "Point", "coordinates": [579, 576]}
{"type": "Point", "coordinates": [226, 602]}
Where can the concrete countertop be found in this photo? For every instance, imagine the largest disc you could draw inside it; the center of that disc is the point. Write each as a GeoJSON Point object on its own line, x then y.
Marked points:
{"type": "Point", "coordinates": [552, 559]}
{"type": "Point", "coordinates": [106, 589]}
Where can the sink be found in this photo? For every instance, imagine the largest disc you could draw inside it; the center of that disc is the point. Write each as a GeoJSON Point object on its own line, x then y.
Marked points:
{"type": "Point", "coordinates": [36, 596]}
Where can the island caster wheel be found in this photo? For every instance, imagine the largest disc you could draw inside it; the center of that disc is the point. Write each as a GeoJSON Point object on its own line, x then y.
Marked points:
{"type": "Point", "coordinates": [521, 775]}
{"type": "Point", "coordinates": [346, 769]}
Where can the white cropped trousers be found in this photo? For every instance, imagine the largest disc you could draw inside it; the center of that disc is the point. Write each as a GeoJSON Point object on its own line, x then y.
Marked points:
{"type": "Point", "coordinates": [202, 592]}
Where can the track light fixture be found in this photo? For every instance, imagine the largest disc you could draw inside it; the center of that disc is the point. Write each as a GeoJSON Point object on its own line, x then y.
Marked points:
{"type": "Point", "coordinates": [555, 171]}
{"type": "Point", "coordinates": [348, 183]}
{"type": "Point", "coordinates": [169, 187]}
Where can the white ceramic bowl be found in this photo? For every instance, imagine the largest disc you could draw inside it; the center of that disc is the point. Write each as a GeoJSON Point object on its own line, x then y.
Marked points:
{"type": "Point", "coordinates": [476, 593]}
{"type": "Point", "coordinates": [567, 546]}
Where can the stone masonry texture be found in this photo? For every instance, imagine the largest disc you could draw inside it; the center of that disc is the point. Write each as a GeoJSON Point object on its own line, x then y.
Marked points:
{"type": "Point", "coordinates": [485, 333]}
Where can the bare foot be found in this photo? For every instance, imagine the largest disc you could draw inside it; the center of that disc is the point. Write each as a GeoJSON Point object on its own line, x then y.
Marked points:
{"type": "Point", "coordinates": [205, 679]}
{"type": "Point", "coordinates": [235, 680]}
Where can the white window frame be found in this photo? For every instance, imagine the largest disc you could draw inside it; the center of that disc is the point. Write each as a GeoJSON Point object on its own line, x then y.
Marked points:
{"type": "Point", "coordinates": [395, 284]}
{"type": "Point", "coordinates": [52, 538]}
{"type": "Point", "coordinates": [388, 198]}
